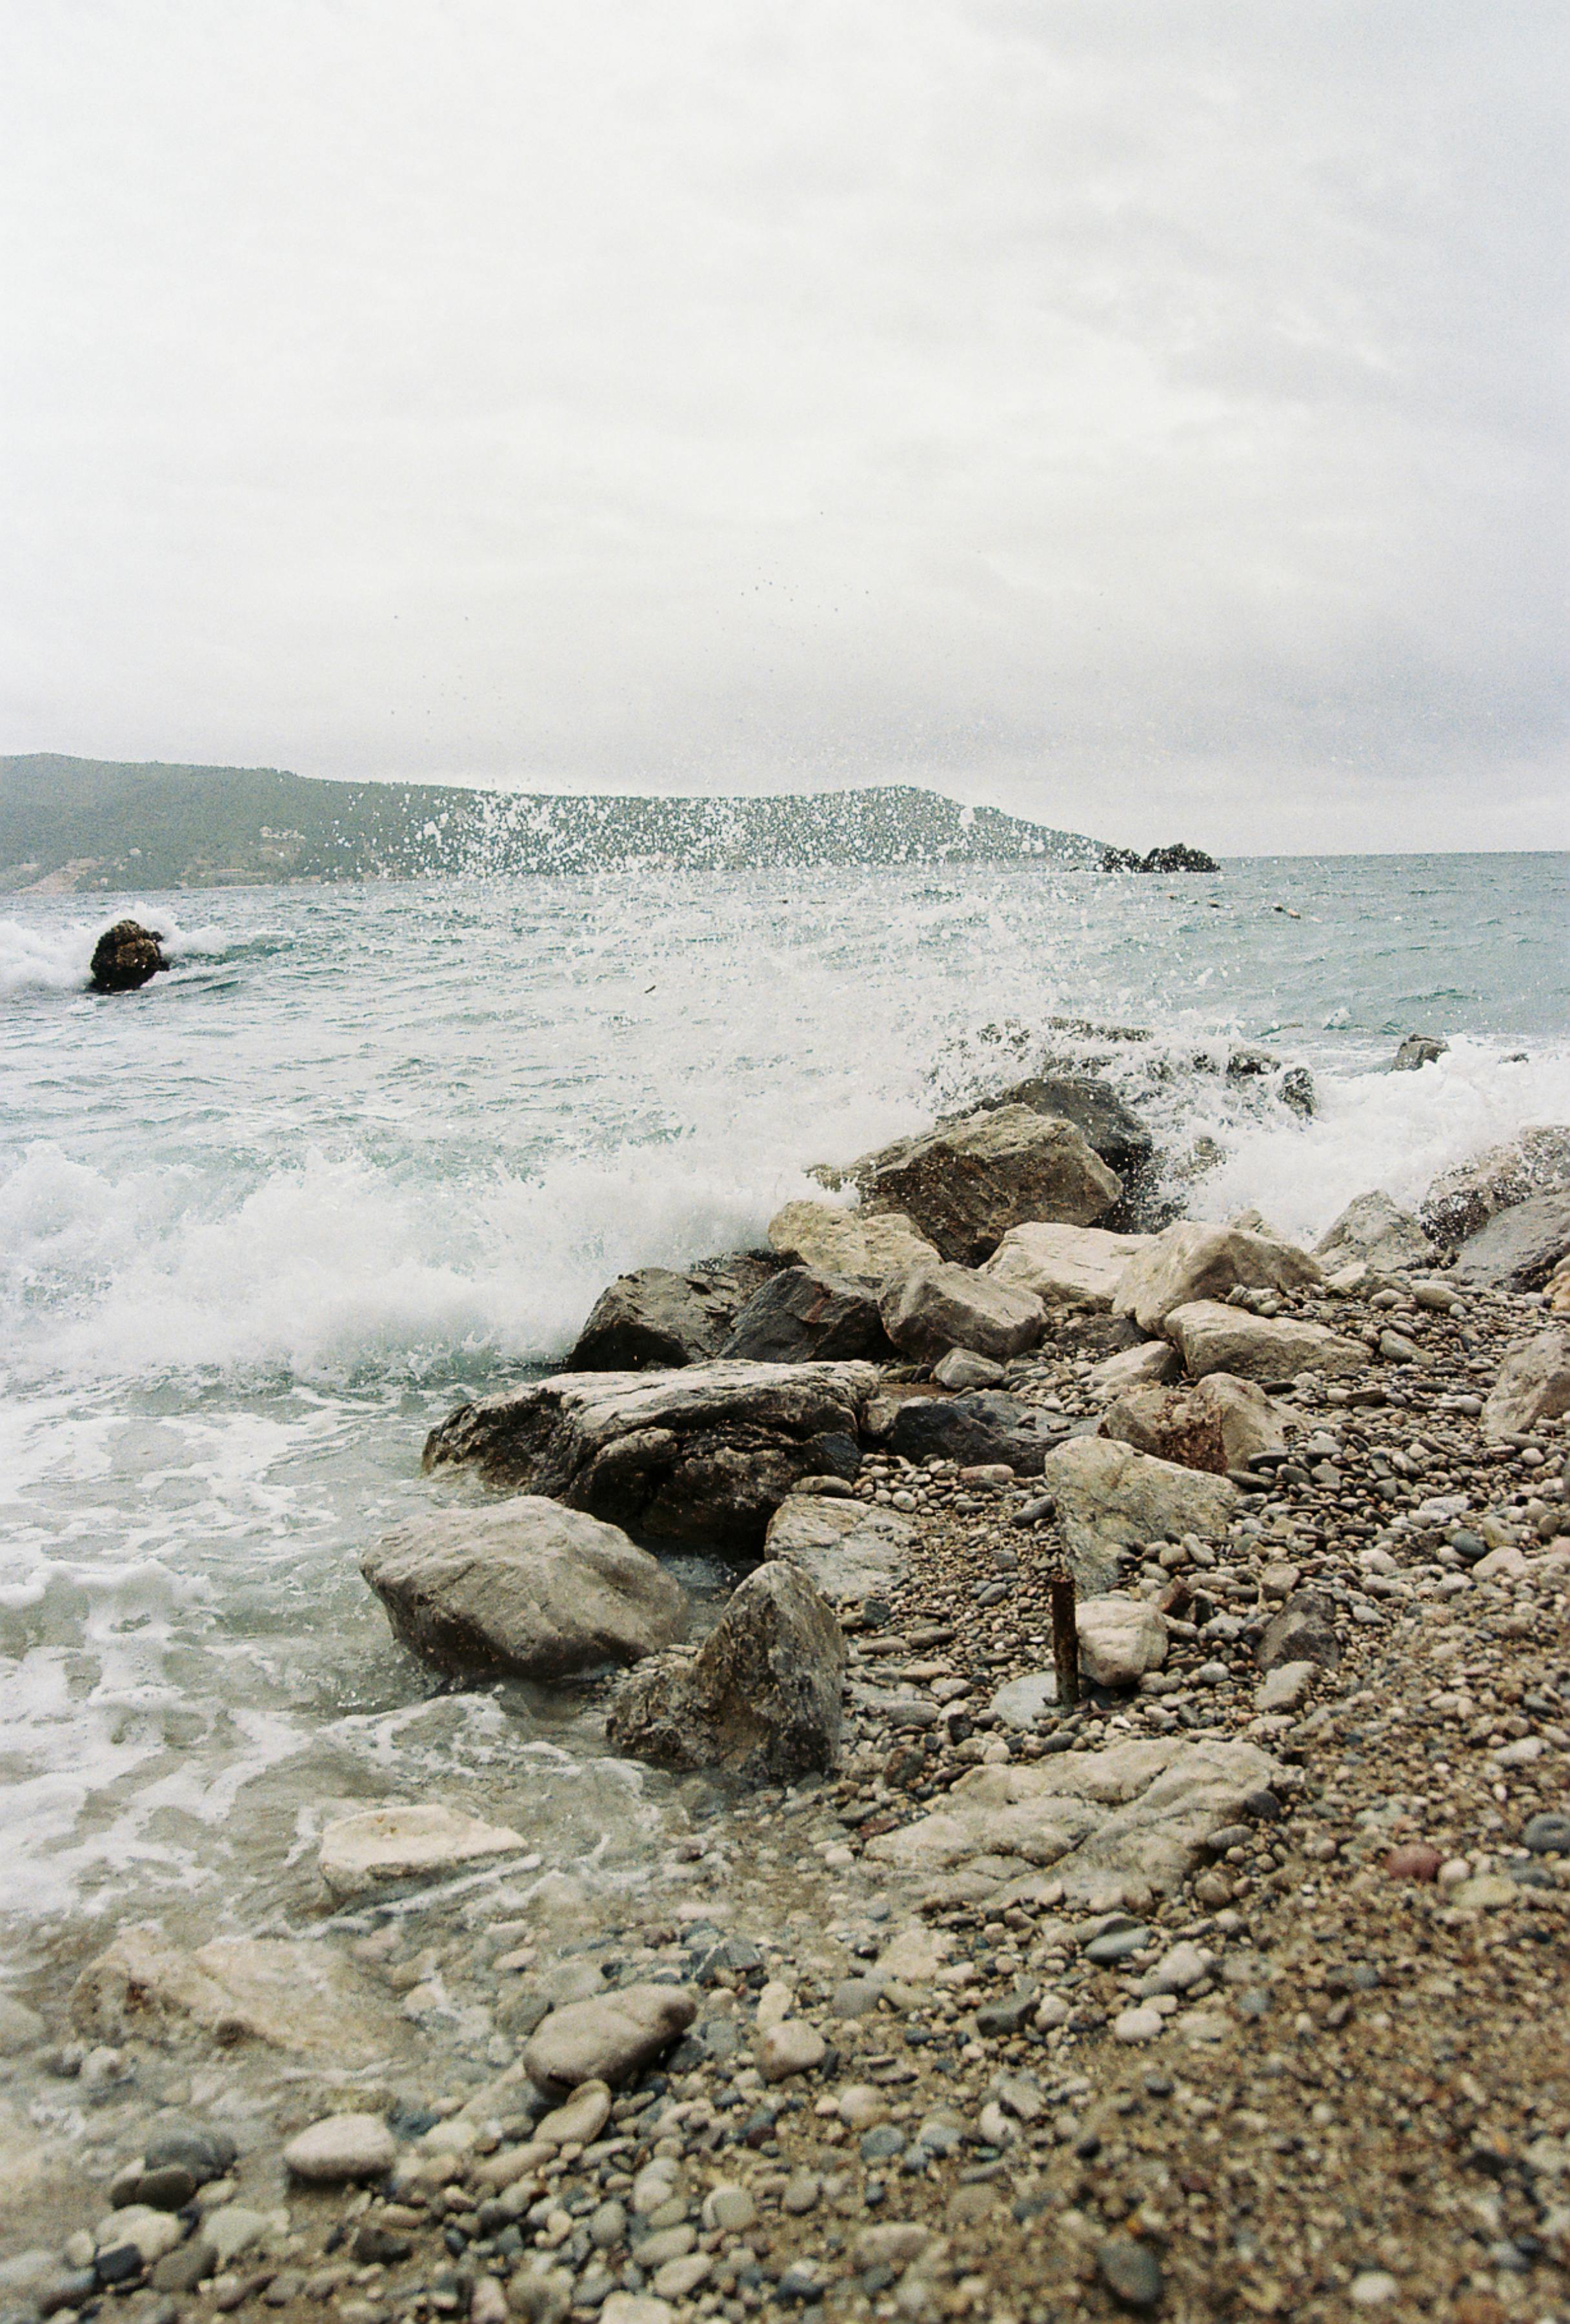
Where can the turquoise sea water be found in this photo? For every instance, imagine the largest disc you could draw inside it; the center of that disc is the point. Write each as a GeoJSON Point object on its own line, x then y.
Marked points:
{"type": "Point", "coordinates": [370, 1147]}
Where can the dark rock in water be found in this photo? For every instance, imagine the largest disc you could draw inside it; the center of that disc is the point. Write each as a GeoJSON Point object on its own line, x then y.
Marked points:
{"type": "Point", "coordinates": [704, 1454]}
{"type": "Point", "coordinates": [985, 1426]}
{"type": "Point", "coordinates": [1463, 1200]}
{"type": "Point", "coordinates": [657, 1318]}
{"type": "Point", "coordinates": [1418, 1049]}
{"type": "Point", "coordinates": [1176, 857]}
{"type": "Point", "coordinates": [1303, 1631]}
{"type": "Point", "coordinates": [1108, 1127]}
{"type": "Point", "coordinates": [760, 1698]}
{"type": "Point", "coordinates": [802, 1315]}
{"type": "Point", "coordinates": [1518, 1249]}
{"type": "Point", "coordinates": [125, 957]}
{"type": "Point", "coordinates": [1298, 1091]}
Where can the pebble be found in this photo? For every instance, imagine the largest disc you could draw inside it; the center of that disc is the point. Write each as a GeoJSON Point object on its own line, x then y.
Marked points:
{"type": "Point", "coordinates": [791, 2047]}
{"type": "Point", "coordinates": [1547, 1834]}
{"type": "Point", "coordinates": [340, 2147]}
{"type": "Point", "coordinates": [729, 2207]}
{"type": "Point", "coordinates": [1139, 2025]}
{"type": "Point", "coordinates": [1131, 2271]}
{"type": "Point", "coordinates": [1414, 1861]}
{"type": "Point", "coordinates": [1372, 2287]}
{"type": "Point", "coordinates": [635, 2308]}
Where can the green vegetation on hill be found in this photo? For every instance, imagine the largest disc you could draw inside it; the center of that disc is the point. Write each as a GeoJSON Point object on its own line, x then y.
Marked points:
{"type": "Point", "coordinates": [88, 824]}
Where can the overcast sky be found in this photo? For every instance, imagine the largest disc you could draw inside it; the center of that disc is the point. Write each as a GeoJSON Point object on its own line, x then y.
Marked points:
{"type": "Point", "coordinates": [1139, 413]}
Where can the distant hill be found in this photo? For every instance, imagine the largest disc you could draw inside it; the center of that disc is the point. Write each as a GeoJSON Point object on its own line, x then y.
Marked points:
{"type": "Point", "coordinates": [86, 823]}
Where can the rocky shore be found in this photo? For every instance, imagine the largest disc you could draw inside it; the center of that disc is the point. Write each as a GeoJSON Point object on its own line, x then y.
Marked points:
{"type": "Point", "coordinates": [1235, 1987]}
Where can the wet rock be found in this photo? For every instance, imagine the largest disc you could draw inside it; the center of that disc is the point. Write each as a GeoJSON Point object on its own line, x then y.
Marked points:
{"type": "Point", "coordinates": [802, 1315]}
{"type": "Point", "coordinates": [932, 1309]}
{"type": "Point", "coordinates": [609, 2039]}
{"type": "Point", "coordinates": [1461, 1201]}
{"type": "Point", "coordinates": [207, 2154]}
{"type": "Point", "coordinates": [1132, 1815]}
{"type": "Point", "coordinates": [1417, 1050]}
{"type": "Point", "coordinates": [1113, 1130]}
{"type": "Point", "coordinates": [872, 1244]}
{"type": "Point", "coordinates": [1218, 1423]}
{"type": "Point", "coordinates": [526, 1586]}
{"type": "Point", "coordinates": [1303, 1631]}
{"type": "Point", "coordinates": [291, 1993]}
{"type": "Point", "coordinates": [126, 957]}
{"type": "Point", "coordinates": [1111, 1498]}
{"type": "Point", "coordinates": [704, 1454]}
{"type": "Point", "coordinates": [966, 1183]}
{"type": "Point", "coordinates": [1271, 1349]}
{"type": "Point", "coordinates": [1120, 1639]}
{"type": "Point", "coordinates": [1533, 1386]}
{"type": "Point", "coordinates": [845, 1548]}
{"type": "Point", "coordinates": [760, 1698]}
{"type": "Point", "coordinates": [179, 2272]}
{"type": "Point", "coordinates": [656, 1319]}
{"type": "Point", "coordinates": [975, 1430]}
{"type": "Point", "coordinates": [359, 1853]}
{"type": "Point", "coordinates": [1188, 1262]}
{"type": "Point", "coordinates": [341, 2149]}
{"type": "Point", "coordinates": [1518, 1249]}
{"type": "Point", "coordinates": [1377, 1232]}
{"type": "Point", "coordinates": [1075, 1268]}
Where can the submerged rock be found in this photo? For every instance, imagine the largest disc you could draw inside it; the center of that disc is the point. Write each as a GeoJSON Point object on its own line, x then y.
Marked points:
{"type": "Point", "coordinates": [705, 1454]}
{"type": "Point", "coordinates": [966, 1183]}
{"type": "Point", "coordinates": [1418, 1049]}
{"type": "Point", "coordinates": [759, 1699]}
{"type": "Point", "coordinates": [359, 1853]}
{"type": "Point", "coordinates": [126, 957]}
{"type": "Point", "coordinates": [526, 1586]}
{"type": "Point", "coordinates": [289, 1993]}
{"type": "Point", "coordinates": [1187, 1261]}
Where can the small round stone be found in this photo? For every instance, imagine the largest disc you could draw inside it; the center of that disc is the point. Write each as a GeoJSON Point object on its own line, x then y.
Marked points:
{"type": "Point", "coordinates": [1131, 2271]}
{"type": "Point", "coordinates": [1414, 1859]}
{"type": "Point", "coordinates": [1137, 2024]}
{"type": "Point", "coordinates": [1547, 1834]}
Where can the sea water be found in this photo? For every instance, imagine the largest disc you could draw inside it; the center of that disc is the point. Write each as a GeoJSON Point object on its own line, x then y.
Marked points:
{"type": "Point", "coordinates": [369, 1149]}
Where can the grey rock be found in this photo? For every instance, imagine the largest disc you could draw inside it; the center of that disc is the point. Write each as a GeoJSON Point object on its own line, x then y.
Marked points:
{"type": "Point", "coordinates": [933, 1308]}
{"type": "Point", "coordinates": [802, 1315]}
{"type": "Point", "coordinates": [609, 2039]}
{"type": "Point", "coordinates": [963, 1369]}
{"type": "Point", "coordinates": [1461, 1201]}
{"type": "Point", "coordinates": [704, 1454]}
{"type": "Point", "coordinates": [21, 2028]}
{"type": "Point", "coordinates": [845, 1548]}
{"type": "Point", "coordinates": [760, 1698]}
{"type": "Point", "coordinates": [1186, 1262]}
{"type": "Point", "coordinates": [1022, 1700]}
{"type": "Point", "coordinates": [1303, 1631]}
{"type": "Point", "coordinates": [1270, 1350]}
{"type": "Point", "coordinates": [1377, 1232]}
{"type": "Point", "coordinates": [179, 2272]}
{"type": "Point", "coordinates": [1219, 1422]}
{"type": "Point", "coordinates": [1547, 1834]}
{"type": "Point", "coordinates": [207, 2154]}
{"type": "Point", "coordinates": [657, 1319]}
{"type": "Point", "coordinates": [1007, 2014]}
{"type": "Point", "coordinates": [1111, 1129]}
{"type": "Point", "coordinates": [341, 2148]}
{"type": "Point", "coordinates": [1533, 1385]}
{"type": "Point", "coordinates": [1120, 1639]}
{"type": "Point", "coordinates": [975, 1430]}
{"type": "Point", "coordinates": [1418, 1049]}
{"type": "Point", "coordinates": [1132, 2273]}
{"type": "Point", "coordinates": [871, 1244]}
{"type": "Point", "coordinates": [1110, 1498]}
{"type": "Point", "coordinates": [524, 1586]}
{"type": "Point", "coordinates": [966, 1183]}
{"type": "Point", "coordinates": [1518, 1249]}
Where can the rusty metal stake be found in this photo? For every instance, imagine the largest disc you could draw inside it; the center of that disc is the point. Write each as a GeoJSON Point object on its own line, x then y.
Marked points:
{"type": "Point", "coordinates": [1065, 1639]}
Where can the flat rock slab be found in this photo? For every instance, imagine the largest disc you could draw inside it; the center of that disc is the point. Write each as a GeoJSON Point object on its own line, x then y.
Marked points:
{"type": "Point", "coordinates": [1138, 1814]}
{"type": "Point", "coordinates": [292, 1995]}
{"type": "Point", "coordinates": [1111, 1498]}
{"type": "Point", "coordinates": [704, 1454]}
{"type": "Point", "coordinates": [845, 1548]}
{"type": "Point", "coordinates": [359, 1853]}
{"type": "Point", "coordinates": [608, 2038]}
{"type": "Point", "coordinates": [526, 1586]}
{"type": "Point", "coordinates": [1270, 1350]}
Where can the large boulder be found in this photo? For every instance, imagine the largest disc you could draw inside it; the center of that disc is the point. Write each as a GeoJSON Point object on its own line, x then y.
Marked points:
{"type": "Point", "coordinates": [1518, 1249]}
{"type": "Point", "coordinates": [759, 1699]}
{"type": "Point", "coordinates": [704, 1454]}
{"type": "Point", "coordinates": [1377, 1232]}
{"type": "Point", "coordinates": [1117, 1826]}
{"type": "Point", "coordinates": [1463, 1200]}
{"type": "Point", "coordinates": [125, 957]}
{"type": "Point", "coordinates": [1533, 1386]}
{"type": "Point", "coordinates": [846, 1549]}
{"type": "Point", "coordinates": [966, 1183]}
{"type": "Point", "coordinates": [1108, 1127]}
{"type": "Point", "coordinates": [656, 1317]}
{"type": "Point", "coordinates": [936, 1308]}
{"type": "Point", "coordinates": [1187, 1261]}
{"type": "Point", "coordinates": [1218, 1423]}
{"type": "Point", "coordinates": [1111, 1498]}
{"type": "Point", "coordinates": [982, 1426]}
{"type": "Point", "coordinates": [873, 1244]}
{"type": "Point", "coordinates": [525, 1586]}
{"type": "Point", "coordinates": [1272, 1350]}
{"type": "Point", "coordinates": [1078, 1267]}
{"type": "Point", "coordinates": [802, 1315]}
